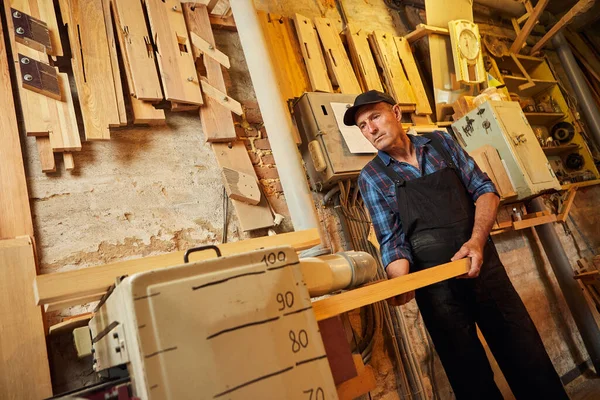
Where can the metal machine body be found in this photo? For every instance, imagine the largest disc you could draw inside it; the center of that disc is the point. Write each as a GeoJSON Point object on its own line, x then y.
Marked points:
{"type": "Point", "coordinates": [326, 155]}
{"type": "Point", "coordinates": [503, 125]}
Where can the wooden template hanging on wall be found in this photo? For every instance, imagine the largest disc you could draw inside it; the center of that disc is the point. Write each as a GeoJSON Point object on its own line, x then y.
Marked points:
{"type": "Point", "coordinates": [410, 66]}
{"type": "Point", "coordinates": [311, 51]}
{"type": "Point", "coordinates": [362, 58]}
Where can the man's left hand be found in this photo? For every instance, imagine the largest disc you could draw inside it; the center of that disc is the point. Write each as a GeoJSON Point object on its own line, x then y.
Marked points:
{"type": "Point", "coordinates": [473, 249]}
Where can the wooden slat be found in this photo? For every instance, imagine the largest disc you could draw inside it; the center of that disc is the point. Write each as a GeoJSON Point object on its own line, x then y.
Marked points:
{"type": "Point", "coordinates": [69, 161]}
{"type": "Point", "coordinates": [410, 66]}
{"type": "Point", "coordinates": [336, 57]}
{"type": "Point", "coordinates": [144, 113]}
{"type": "Point", "coordinates": [528, 27]}
{"type": "Point", "coordinates": [45, 154]}
{"type": "Point", "coordinates": [23, 356]}
{"type": "Point", "coordinates": [209, 50]}
{"type": "Point", "coordinates": [566, 207]}
{"type": "Point", "coordinates": [311, 51]}
{"type": "Point", "coordinates": [15, 215]}
{"type": "Point", "coordinates": [92, 66]}
{"type": "Point", "coordinates": [93, 281]}
{"type": "Point", "coordinates": [362, 58]}
{"type": "Point", "coordinates": [45, 10]}
{"type": "Point", "coordinates": [395, 79]}
{"type": "Point", "coordinates": [173, 51]}
{"type": "Point", "coordinates": [423, 30]}
{"type": "Point", "coordinates": [489, 161]}
{"type": "Point", "coordinates": [241, 187]}
{"type": "Point", "coordinates": [42, 115]}
{"type": "Point", "coordinates": [217, 121]}
{"type": "Point", "coordinates": [223, 99]}
{"type": "Point", "coordinates": [136, 50]}
{"type": "Point", "coordinates": [386, 289]}
{"type": "Point", "coordinates": [236, 157]}
{"type": "Point", "coordinates": [528, 223]}
{"type": "Point", "coordinates": [114, 61]}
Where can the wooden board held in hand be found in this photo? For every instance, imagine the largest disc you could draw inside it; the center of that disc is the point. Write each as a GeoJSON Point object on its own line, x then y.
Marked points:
{"type": "Point", "coordinates": [241, 186]}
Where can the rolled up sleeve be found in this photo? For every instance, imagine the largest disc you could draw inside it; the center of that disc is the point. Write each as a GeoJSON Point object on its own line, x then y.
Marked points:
{"type": "Point", "coordinates": [386, 222]}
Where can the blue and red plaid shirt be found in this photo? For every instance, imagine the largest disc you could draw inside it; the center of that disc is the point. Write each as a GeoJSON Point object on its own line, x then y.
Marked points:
{"type": "Point", "coordinates": [379, 192]}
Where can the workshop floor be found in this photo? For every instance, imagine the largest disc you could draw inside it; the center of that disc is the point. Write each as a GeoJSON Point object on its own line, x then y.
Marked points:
{"type": "Point", "coordinates": [585, 387]}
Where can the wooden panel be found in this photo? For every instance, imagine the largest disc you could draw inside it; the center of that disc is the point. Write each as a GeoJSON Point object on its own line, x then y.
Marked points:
{"type": "Point", "coordinates": [45, 154]}
{"type": "Point", "coordinates": [241, 186]}
{"type": "Point", "coordinates": [86, 282]}
{"type": "Point", "coordinates": [250, 217]}
{"type": "Point", "coordinates": [362, 58]}
{"type": "Point", "coordinates": [173, 51]}
{"type": "Point", "coordinates": [217, 121]}
{"type": "Point", "coordinates": [396, 82]}
{"type": "Point", "coordinates": [386, 289]}
{"type": "Point", "coordinates": [489, 161]}
{"type": "Point", "coordinates": [410, 66]}
{"type": "Point", "coordinates": [114, 61]}
{"type": "Point", "coordinates": [23, 357]}
{"type": "Point", "coordinates": [42, 115]}
{"type": "Point", "coordinates": [311, 51]}
{"type": "Point", "coordinates": [15, 215]}
{"type": "Point", "coordinates": [92, 66]}
{"type": "Point", "coordinates": [136, 50]}
{"type": "Point", "coordinates": [66, 139]}
{"type": "Point", "coordinates": [335, 54]}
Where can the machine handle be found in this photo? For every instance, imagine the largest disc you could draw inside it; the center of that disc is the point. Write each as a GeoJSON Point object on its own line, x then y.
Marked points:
{"type": "Point", "coordinates": [186, 256]}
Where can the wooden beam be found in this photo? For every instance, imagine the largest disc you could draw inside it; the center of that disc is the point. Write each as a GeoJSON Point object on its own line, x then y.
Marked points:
{"type": "Point", "coordinates": [386, 289]}
{"type": "Point", "coordinates": [580, 7]}
{"type": "Point", "coordinates": [23, 356]}
{"type": "Point", "coordinates": [86, 282]}
{"type": "Point", "coordinates": [528, 27]}
{"type": "Point", "coordinates": [566, 207]}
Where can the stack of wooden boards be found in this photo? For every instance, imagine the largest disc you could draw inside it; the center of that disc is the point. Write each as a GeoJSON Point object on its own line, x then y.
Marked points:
{"type": "Point", "coordinates": [128, 61]}
{"type": "Point", "coordinates": [374, 61]}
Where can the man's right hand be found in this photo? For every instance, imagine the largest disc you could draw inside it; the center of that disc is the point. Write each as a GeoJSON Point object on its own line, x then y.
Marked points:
{"type": "Point", "coordinates": [394, 270]}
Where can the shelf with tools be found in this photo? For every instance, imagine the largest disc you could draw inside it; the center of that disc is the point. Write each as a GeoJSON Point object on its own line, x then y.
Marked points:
{"type": "Point", "coordinates": [532, 82]}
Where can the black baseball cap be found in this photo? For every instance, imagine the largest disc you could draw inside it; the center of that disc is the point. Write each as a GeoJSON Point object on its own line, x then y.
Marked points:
{"type": "Point", "coordinates": [370, 97]}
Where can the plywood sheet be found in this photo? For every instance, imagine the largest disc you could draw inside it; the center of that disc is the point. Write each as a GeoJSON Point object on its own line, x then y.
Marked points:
{"type": "Point", "coordinates": [311, 51]}
{"type": "Point", "coordinates": [396, 82]}
{"type": "Point", "coordinates": [136, 50]}
{"type": "Point", "coordinates": [23, 356]}
{"type": "Point", "coordinates": [92, 66]}
{"type": "Point", "coordinates": [412, 72]}
{"type": "Point", "coordinates": [173, 51]}
{"type": "Point", "coordinates": [335, 54]}
{"type": "Point", "coordinates": [217, 121]}
{"type": "Point", "coordinates": [362, 58]}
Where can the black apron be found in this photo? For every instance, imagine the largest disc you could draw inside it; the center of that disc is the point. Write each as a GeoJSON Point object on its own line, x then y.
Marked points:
{"type": "Point", "coordinates": [437, 215]}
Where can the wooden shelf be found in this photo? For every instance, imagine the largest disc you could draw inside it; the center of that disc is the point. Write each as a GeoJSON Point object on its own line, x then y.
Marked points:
{"type": "Point", "coordinates": [527, 62]}
{"type": "Point", "coordinates": [558, 150]}
{"type": "Point", "coordinates": [513, 83]}
{"type": "Point", "coordinates": [580, 184]}
{"type": "Point", "coordinates": [542, 118]}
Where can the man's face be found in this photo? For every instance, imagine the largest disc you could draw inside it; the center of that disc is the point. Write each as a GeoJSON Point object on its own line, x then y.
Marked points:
{"type": "Point", "coordinates": [380, 124]}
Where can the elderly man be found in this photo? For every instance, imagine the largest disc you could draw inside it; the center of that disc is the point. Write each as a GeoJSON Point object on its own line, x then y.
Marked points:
{"type": "Point", "coordinates": [430, 204]}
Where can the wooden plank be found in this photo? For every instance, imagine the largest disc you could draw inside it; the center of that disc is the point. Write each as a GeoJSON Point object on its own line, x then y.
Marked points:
{"type": "Point", "coordinates": [41, 115]}
{"type": "Point", "coordinates": [92, 66]}
{"type": "Point", "coordinates": [581, 7]}
{"type": "Point", "coordinates": [114, 61]}
{"type": "Point", "coordinates": [241, 187]}
{"type": "Point", "coordinates": [45, 12]}
{"type": "Point", "coordinates": [69, 324]}
{"type": "Point", "coordinates": [23, 356]}
{"type": "Point", "coordinates": [67, 139]}
{"type": "Point", "coordinates": [528, 27]}
{"type": "Point", "coordinates": [217, 121]}
{"type": "Point", "coordinates": [136, 50]}
{"type": "Point", "coordinates": [222, 98]}
{"type": "Point", "coordinates": [84, 284]}
{"type": "Point", "coordinates": [236, 157]}
{"type": "Point", "coordinates": [386, 289]}
{"type": "Point", "coordinates": [362, 58]}
{"type": "Point", "coordinates": [528, 223]}
{"type": "Point", "coordinates": [566, 207]}
{"type": "Point", "coordinates": [410, 66]}
{"type": "Point", "coordinates": [311, 52]}
{"type": "Point", "coordinates": [45, 153]}
{"type": "Point", "coordinates": [69, 162]}
{"type": "Point", "coordinates": [223, 22]}
{"type": "Point", "coordinates": [173, 51]}
{"type": "Point", "coordinates": [423, 30]}
{"type": "Point", "coordinates": [144, 113]}
{"type": "Point", "coordinates": [70, 302]}
{"type": "Point", "coordinates": [336, 56]}
{"type": "Point", "coordinates": [176, 107]}
{"type": "Point", "coordinates": [395, 79]}
{"type": "Point", "coordinates": [15, 215]}
{"type": "Point", "coordinates": [209, 50]}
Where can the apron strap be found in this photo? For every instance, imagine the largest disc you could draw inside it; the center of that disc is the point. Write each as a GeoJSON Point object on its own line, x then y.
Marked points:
{"type": "Point", "coordinates": [439, 147]}
{"type": "Point", "coordinates": [389, 171]}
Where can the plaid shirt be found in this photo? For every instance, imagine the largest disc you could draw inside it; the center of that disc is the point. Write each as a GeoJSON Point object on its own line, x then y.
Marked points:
{"type": "Point", "coordinates": [379, 192]}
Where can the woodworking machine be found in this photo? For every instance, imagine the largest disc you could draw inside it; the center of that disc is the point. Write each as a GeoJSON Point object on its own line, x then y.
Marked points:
{"type": "Point", "coordinates": [235, 327]}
